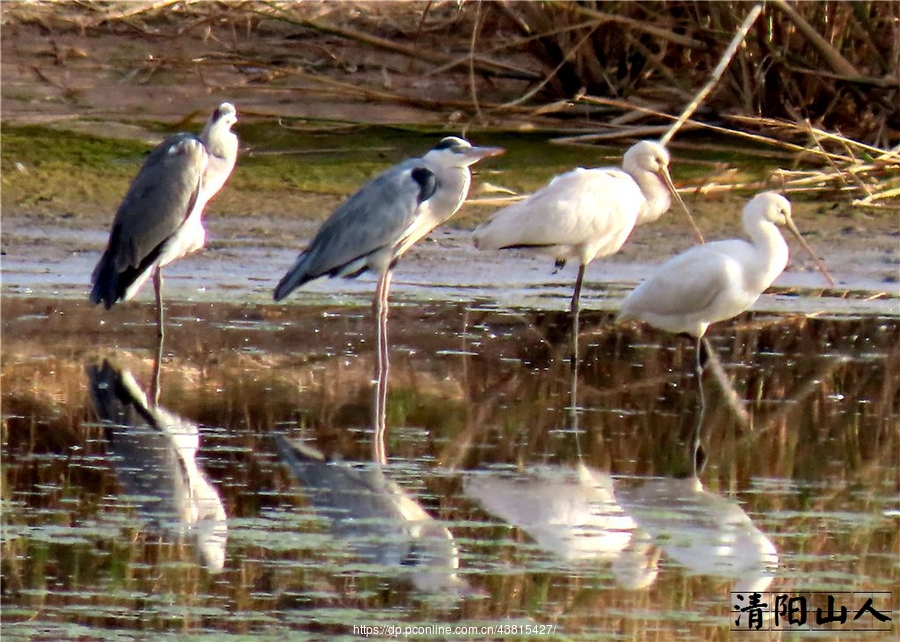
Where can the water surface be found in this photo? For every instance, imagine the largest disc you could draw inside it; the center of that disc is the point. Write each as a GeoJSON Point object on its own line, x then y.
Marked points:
{"type": "Point", "coordinates": [515, 490]}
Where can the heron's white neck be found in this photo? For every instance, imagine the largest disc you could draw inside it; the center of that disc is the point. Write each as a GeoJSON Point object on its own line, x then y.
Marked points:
{"type": "Point", "coordinates": [453, 187]}
{"type": "Point", "coordinates": [656, 195]}
{"type": "Point", "coordinates": [222, 145]}
{"type": "Point", "coordinates": [219, 140]}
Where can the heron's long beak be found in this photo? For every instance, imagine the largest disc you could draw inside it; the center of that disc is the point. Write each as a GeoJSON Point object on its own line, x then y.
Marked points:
{"type": "Point", "coordinates": [664, 173]}
{"type": "Point", "coordinates": [475, 154]}
{"type": "Point", "coordinates": [793, 228]}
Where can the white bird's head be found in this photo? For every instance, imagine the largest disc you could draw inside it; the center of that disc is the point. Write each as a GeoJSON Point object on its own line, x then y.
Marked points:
{"type": "Point", "coordinates": [775, 208]}
{"type": "Point", "coordinates": [650, 156]}
{"type": "Point", "coordinates": [770, 206]}
{"type": "Point", "coordinates": [647, 155]}
{"type": "Point", "coordinates": [457, 152]}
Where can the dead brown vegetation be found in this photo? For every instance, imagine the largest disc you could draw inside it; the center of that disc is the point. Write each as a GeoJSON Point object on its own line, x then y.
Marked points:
{"type": "Point", "coordinates": [818, 78]}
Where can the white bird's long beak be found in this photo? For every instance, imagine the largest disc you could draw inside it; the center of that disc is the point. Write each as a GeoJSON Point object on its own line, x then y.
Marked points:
{"type": "Point", "coordinates": [824, 270]}
{"type": "Point", "coordinates": [664, 173]}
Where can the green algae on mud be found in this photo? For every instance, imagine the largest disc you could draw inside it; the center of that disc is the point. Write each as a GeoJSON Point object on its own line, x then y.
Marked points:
{"type": "Point", "coordinates": [300, 170]}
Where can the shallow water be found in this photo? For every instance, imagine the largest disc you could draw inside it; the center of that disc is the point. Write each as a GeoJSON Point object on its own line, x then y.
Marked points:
{"type": "Point", "coordinates": [581, 514]}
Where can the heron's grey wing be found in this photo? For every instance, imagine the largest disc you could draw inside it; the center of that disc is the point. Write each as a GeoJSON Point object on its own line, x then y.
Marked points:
{"type": "Point", "coordinates": [365, 228]}
{"type": "Point", "coordinates": [160, 198]}
{"type": "Point", "coordinates": [147, 465]}
{"type": "Point", "coordinates": [157, 203]}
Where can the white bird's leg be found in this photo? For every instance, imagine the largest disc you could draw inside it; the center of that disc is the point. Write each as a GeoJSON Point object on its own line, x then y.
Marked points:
{"type": "Point", "coordinates": [574, 410]}
{"type": "Point", "coordinates": [737, 405]}
{"type": "Point", "coordinates": [382, 367]}
{"type": "Point", "coordinates": [576, 296]}
{"type": "Point", "coordinates": [698, 457]}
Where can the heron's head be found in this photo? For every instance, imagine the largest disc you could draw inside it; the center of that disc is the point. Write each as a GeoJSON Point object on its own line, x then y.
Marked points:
{"type": "Point", "coordinates": [646, 155]}
{"type": "Point", "coordinates": [225, 115]}
{"type": "Point", "coordinates": [457, 152]}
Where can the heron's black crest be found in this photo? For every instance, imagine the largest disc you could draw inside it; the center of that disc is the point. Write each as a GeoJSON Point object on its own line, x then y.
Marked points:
{"type": "Point", "coordinates": [427, 183]}
{"type": "Point", "coordinates": [452, 143]}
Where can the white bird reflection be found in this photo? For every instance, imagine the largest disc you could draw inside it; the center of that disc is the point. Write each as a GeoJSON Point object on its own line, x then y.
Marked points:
{"type": "Point", "coordinates": [706, 533]}
{"type": "Point", "coordinates": [572, 514]}
{"type": "Point", "coordinates": [382, 523]}
{"type": "Point", "coordinates": [156, 453]}
{"type": "Point", "coordinates": [583, 515]}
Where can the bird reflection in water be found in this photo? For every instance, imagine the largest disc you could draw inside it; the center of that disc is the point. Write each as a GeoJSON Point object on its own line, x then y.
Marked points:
{"type": "Point", "coordinates": [583, 515]}
{"type": "Point", "coordinates": [156, 464]}
{"type": "Point", "coordinates": [382, 522]}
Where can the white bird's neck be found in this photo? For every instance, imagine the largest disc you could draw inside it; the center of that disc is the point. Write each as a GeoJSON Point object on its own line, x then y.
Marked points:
{"type": "Point", "coordinates": [772, 248]}
{"type": "Point", "coordinates": [656, 195]}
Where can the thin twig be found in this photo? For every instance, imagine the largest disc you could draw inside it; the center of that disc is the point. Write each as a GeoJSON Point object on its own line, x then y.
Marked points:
{"type": "Point", "coordinates": [716, 74]}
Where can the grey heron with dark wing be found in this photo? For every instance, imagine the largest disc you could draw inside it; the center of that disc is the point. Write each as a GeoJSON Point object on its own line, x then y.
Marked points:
{"type": "Point", "coordinates": [377, 225]}
{"type": "Point", "coordinates": [159, 219]}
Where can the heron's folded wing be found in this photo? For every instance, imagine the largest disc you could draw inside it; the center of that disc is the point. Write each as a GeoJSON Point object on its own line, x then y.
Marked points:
{"type": "Point", "coordinates": [159, 199]}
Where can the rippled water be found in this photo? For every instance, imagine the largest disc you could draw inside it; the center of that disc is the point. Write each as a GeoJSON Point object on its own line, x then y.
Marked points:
{"type": "Point", "coordinates": [515, 490]}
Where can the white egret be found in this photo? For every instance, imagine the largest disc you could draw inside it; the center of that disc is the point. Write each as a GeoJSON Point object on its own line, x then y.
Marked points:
{"type": "Point", "coordinates": [587, 213]}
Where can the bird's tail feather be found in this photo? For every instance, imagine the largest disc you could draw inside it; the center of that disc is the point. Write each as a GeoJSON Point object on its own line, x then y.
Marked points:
{"type": "Point", "coordinates": [295, 277]}
{"type": "Point", "coordinates": [105, 283]}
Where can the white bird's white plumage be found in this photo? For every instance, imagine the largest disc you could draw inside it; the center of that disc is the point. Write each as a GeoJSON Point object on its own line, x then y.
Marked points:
{"type": "Point", "coordinates": [717, 281]}
{"type": "Point", "coordinates": [585, 213]}
{"type": "Point", "coordinates": [563, 219]}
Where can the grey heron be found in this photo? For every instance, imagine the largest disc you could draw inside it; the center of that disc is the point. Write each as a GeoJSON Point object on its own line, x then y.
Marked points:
{"type": "Point", "coordinates": [159, 220]}
{"type": "Point", "coordinates": [587, 213]}
{"type": "Point", "coordinates": [378, 224]}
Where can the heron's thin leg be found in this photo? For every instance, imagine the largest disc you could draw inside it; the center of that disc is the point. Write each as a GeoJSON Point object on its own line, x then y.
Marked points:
{"type": "Point", "coordinates": [382, 368]}
{"type": "Point", "coordinates": [160, 334]}
{"type": "Point", "coordinates": [576, 296]}
{"type": "Point", "coordinates": [157, 369]}
{"type": "Point", "coordinates": [157, 287]}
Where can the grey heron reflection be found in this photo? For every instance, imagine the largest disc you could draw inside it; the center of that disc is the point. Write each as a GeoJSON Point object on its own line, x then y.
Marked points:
{"type": "Point", "coordinates": [155, 453]}
{"type": "Point", "coordinates": [383, 523]}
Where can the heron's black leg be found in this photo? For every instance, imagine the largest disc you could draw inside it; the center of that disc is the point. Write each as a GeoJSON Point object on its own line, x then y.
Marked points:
{"type": "Point", "coordinates": [155, 389]}
{"type": "Point", "coordinates": [576, 296]}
